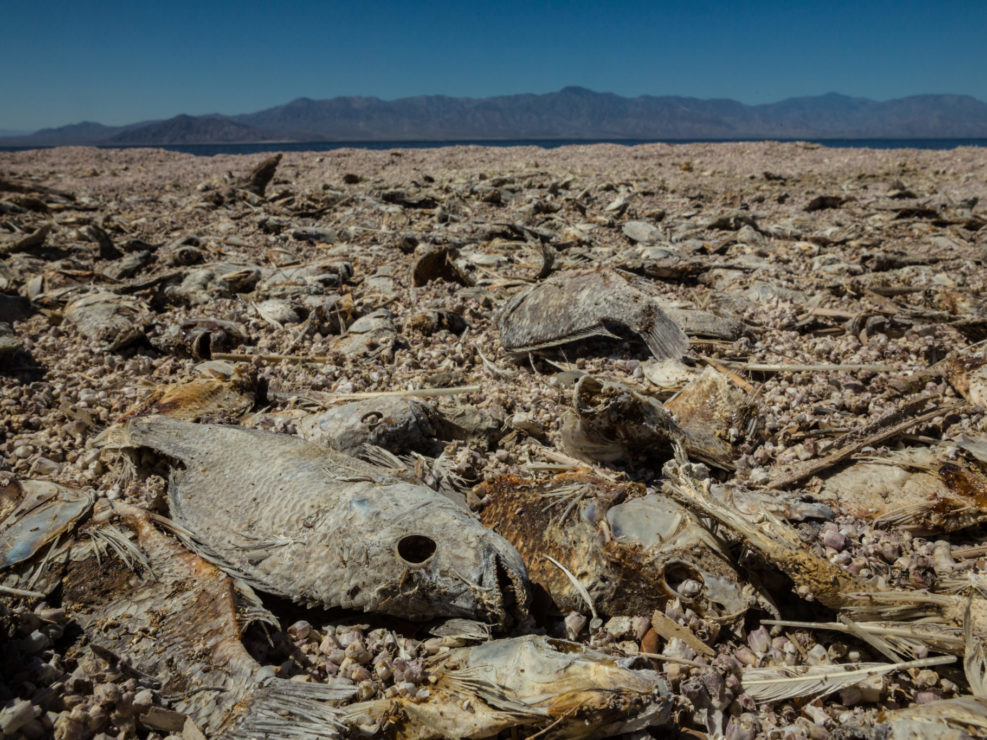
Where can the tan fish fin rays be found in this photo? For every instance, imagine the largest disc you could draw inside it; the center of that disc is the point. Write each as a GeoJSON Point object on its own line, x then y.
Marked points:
{"type": "Point", "coordinates": [974, 655]}
{"type": "Point", "coordinates": [472, 682]}
{"type": "Point", "coordinates": [130, 554]}
{"type": "Point", "coordinates": [777, 683]}
{"type": "Point", "coordinates": [287, 709]}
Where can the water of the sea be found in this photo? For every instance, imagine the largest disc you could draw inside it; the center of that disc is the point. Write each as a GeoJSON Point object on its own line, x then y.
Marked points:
{"type": "Point", "coordinates": [209, 150]}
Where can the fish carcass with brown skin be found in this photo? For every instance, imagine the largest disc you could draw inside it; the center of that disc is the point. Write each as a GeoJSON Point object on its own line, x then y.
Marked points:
{"type": "Point", "coordinates": [579, 304]}
{"type": "Point", "coordinates": [631, 552]}
{"type": "Point", "coordinates": [193, 653]}
{"type": "Point", "coordinates": [321, 528]}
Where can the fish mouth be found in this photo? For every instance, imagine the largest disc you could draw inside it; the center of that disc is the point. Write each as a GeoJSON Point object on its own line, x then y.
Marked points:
{"type": "Point", "coordinates": [507, 600]}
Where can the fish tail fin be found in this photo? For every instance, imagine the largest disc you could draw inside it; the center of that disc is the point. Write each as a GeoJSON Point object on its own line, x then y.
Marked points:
{"type": "Point", "coordinates": [288, 709]}
{"type": "Point", "coordinates": [662, 335]}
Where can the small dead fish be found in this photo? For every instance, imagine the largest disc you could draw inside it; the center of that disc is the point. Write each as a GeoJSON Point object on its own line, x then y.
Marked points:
{"type": "Point", "coordinates": [396, 424]}
{"type": "Point", "coordinates": [319, 527]}
{"type": "Point", "coordinates": [551, 688]}
{"type": "Point", "coordinates": [198, 398]}
{"type": "Point", "coordinates": [918, 489]}
{"type": "Point", "coordinates": [200, 337]}
{"type": "Point", "coordinates": [612, 422]}
{"type": "Point", "coordinates": [630, 553]}
{"type": "Point", "coordinates": [578, 304]}
{"type": "Point", "coordinates": [371, 335]}
{"type": "Point", "coordinates": [712, 412]}
{"type": "Point", "coordinates": [111, 320]}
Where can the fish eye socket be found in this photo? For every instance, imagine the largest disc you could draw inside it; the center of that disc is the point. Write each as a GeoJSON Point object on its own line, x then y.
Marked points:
{"type": "Point", "coordinates": [416, 548]}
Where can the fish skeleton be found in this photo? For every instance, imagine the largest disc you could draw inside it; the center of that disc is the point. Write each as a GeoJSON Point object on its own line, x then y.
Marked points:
{"type": "Point", "coordinates": [322, 528]}
{"type": "Point", "coordinates": [578, 304]}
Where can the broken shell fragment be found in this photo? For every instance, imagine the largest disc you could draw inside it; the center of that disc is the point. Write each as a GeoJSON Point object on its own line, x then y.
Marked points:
{"type": "Point", "coordinates": [34, 513]}
{"type": "Point", "coordinates": [579, 304]}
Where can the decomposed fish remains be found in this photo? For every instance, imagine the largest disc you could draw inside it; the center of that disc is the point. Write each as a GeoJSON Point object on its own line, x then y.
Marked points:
{"type": "Point", "coordinates": [578, 304]}
{"type": "Point", "coordinates": [321, 528]}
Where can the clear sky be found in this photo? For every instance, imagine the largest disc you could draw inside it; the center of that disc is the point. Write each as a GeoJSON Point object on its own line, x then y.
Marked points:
{"type": "Point", "coordinates": [116, 61]}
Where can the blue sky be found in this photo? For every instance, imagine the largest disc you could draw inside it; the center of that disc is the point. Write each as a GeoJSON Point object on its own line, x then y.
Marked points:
{"type": "Point", "coordinates": [120, 62]}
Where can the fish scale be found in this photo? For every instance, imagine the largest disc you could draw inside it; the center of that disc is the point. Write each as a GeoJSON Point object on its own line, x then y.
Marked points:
{"type": "Point", "coordinates": [322, 528]}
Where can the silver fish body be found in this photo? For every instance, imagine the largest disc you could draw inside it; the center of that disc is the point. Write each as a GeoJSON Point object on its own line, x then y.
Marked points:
{"type": "Point", "coordinates": [322, 528]}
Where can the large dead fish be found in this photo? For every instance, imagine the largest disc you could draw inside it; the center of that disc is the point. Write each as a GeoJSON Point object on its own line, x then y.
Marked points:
{"type": "Point", "coordinates": [552, 688]}
{"type": "Point", "coordinates": [160, 611]}
{"type": "Point", "coordinates": [578, 304]}
{"type": "Point", "coordinates": [321, 528]}
{"type": "Point", "coordinates": [630, 553]}
{"type": "Point", "coordinates": [193, 654]}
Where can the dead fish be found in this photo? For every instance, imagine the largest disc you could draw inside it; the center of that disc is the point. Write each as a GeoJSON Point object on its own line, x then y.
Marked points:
{"type": "Point", "coordinates": [193, 654]}
{"type": "Point", "coordinates": [631, 553]}
{"type": "Point", "coordinates": [612, 422]}
{"type": "Point", "coordinates": [551, 688]}
{"type": "Point", "coordinates": [396, 424]}
{"type": "Point", "coordinates": [198, 398]}
{"type": "Point", "coordinates": [372, 335]}
{"type": "Point", "coordinates": [260, 175]}
{"type": "Point", "coordinates": [919, 489]}
{"type": "Point", "coordinates": [113, 321]}
{"type": "Point", "coordinates": [200, 337]}
{"type": "Point", "coordinates": [578, 304]}
{"type": "Point", "coordinates": [713, 413]}
{"type": "Point", "coordinates": [205, 284]}
{"type": "Point", "coordinates": [10, 343]}
{"type": "Point", "coordinates": [319, 527]}
{"type": "Point", "coordinates": [440, 263]}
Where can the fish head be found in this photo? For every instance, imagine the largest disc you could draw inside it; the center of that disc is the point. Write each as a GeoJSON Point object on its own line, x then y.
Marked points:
{"type": "Point", "coordinates": [445, 564]}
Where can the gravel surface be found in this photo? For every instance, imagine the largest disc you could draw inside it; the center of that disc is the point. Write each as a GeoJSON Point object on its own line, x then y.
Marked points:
{"type": "Point", "coordinates": [871, 261]}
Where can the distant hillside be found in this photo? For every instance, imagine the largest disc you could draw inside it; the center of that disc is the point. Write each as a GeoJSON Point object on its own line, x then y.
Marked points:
{"type": "Point", "coordinates": [189, 130]}
{"type": "Point", "coordinates": [571, 113]}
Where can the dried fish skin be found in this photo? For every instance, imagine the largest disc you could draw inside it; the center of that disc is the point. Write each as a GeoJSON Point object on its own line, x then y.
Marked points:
{"type": "Point", "coordinates": [579, 304]}
{"type": "Point", "coordinates": [321, 528]}
{"type": "Point", "coordinates": [396, 424]}
{"type": "Point", "coordinates": [918, 489]}
{"type": "Point", "coordinates": [612, 422]}
{"type": "Point", "coordinates": [194, 651]}
{"type": "Point", "coordinates": [555, 688]}
{"type": "Point", "coordinates": [631, 556]}
{"type": "Point", "coordinates": [36, 513]}
{"type": "Point", "coordinates": [950, 719]}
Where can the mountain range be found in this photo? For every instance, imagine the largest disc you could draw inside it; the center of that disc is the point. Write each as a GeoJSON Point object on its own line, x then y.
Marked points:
{"type": "Point", "coordinates": [571, 113]}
